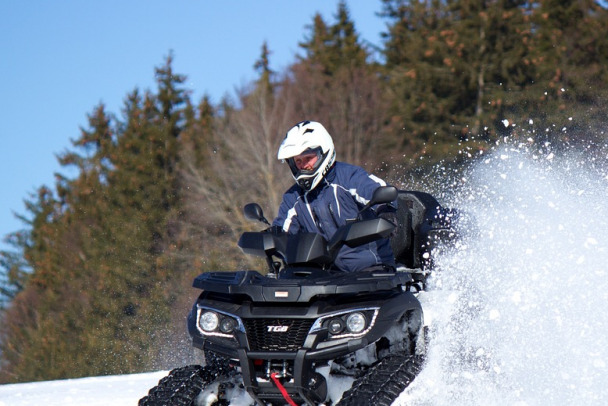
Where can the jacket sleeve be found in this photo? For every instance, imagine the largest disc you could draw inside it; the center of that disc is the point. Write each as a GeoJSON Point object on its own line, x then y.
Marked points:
{"type": "Point", "coordinates": [362, 185]}
{"type": "Point", "coordinates": [287, 219]}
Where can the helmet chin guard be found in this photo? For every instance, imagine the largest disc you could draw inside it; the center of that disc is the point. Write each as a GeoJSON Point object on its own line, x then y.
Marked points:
{"type": "Point", "coordinates": [308, 136]}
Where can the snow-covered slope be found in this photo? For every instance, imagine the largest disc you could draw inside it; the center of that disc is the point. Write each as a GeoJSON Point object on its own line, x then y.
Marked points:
{"type": "Point", "coordinates": [119, 390]}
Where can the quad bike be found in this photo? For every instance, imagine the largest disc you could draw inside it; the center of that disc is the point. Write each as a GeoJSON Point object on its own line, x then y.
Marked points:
{"type": "Point", "coordinates": [306, 333]}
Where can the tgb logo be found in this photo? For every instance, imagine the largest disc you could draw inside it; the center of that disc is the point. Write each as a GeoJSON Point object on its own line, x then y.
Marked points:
{"type": "Point", "coordinates": [277, 329]}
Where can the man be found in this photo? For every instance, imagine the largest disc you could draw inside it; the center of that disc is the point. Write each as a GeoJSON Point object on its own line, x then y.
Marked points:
{"type": "Point", "coordinates": [327, 194]}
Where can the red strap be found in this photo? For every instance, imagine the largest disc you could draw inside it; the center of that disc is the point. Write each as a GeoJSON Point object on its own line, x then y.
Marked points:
{"type": "Point", "coordinates": [282, 389]}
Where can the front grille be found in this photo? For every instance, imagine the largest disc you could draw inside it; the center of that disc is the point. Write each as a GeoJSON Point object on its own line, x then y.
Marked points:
{"type": "Point", "coordinates": [277, 334]}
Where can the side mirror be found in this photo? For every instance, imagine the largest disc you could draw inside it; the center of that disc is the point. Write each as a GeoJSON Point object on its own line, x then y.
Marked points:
{"type": "Point", "coordinates": [383, 194]}
{"type": "Point", "coordinates": [254, 212]}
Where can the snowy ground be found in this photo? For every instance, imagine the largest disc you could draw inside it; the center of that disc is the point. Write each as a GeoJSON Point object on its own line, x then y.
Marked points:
{"type": "Point", "coordinates": [118, 390]}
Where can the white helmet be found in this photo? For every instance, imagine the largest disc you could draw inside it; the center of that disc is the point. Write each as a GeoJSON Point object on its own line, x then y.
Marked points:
{"type": "Point", "coordinates": [308, 136]}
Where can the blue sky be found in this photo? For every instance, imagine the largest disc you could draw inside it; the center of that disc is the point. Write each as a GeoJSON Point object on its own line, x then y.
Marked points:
{"type": "Point", "coordinates": [60, 59]}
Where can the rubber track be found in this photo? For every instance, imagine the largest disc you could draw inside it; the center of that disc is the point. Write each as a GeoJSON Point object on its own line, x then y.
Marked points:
{"type": "Point", "coordinates": [181, 386]}
{"type": "Point", "coordinates": [384, 382]}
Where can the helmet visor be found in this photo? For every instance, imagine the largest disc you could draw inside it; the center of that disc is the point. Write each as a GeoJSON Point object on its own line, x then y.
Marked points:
{"type": "Point", "coordinates": [307, 162]}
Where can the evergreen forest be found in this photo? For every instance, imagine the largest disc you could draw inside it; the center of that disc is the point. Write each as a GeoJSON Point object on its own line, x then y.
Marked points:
{"type": "Point", "coordinates": [99, 280]}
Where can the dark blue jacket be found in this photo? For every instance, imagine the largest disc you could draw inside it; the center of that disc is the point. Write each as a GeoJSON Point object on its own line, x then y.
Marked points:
{"type": "Point", "coordinates": [339, 197]}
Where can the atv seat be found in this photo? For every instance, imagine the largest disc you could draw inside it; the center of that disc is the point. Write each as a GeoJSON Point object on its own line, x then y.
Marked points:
{"type": "Point", "coordinates": [419, 216]}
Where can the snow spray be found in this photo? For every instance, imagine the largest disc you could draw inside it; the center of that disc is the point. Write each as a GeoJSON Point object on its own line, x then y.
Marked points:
{"type": "Point", "coordinates": [520, 300]}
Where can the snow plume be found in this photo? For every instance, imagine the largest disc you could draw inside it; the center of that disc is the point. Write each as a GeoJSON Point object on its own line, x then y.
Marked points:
{"type": "Point", "coordinates": [521, 300]}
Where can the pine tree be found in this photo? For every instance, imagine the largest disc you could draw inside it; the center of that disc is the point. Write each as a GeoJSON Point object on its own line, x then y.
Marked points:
{"type": "Point", "coordinates": [455, 70]}
{"type": "Point", "coordinates": [493, 38]}
{"type": "Point", "coordinates": [43, 334]}
{"type": "Point", "coordinates": [571, 85]}
{"type": "Point", "coordinates": [262, 67]}
{"type": "Point", "coordinates": [101, 251]}
{"type": "Point", "coordinates": [334, 47]}
{"type": "Point", "coordinates": [317, 44]}
{"type": "Point", "coordinates": [14, 270]}
{"type": "Point", "coordinates": [420, 51]}
{"type": "Point", "coordinates": [335, 84]}
{"type": "Point", "coordinates": [144, 197]}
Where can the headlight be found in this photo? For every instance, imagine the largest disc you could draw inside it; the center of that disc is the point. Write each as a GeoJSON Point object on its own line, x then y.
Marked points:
{"type": "Point", "coordinates": [216, 323]}
{"type": "Point", "coordinates": [355, 322]}
{"type": "Point", "coordinates": [209, 321]}
{"type": "Point", "coordinates": [335, 326]}
{"type": "Point", "coordinates": [347, 323]}
{"type": "Point", "coordinates": [227, 325]}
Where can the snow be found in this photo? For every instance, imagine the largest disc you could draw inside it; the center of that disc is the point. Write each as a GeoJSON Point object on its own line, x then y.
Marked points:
{"type": "Point", "coordinates": [116, 390]}
{"type": "Point", "coordinates": [520, 303]}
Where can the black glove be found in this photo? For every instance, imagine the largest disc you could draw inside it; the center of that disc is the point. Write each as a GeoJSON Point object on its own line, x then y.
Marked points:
{"type": "Point", "coordinates": [274, 230]}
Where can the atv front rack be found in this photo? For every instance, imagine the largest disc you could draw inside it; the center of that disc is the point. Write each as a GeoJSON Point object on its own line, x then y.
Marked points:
{"type": "Point", "coordinates": [260, 288]}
